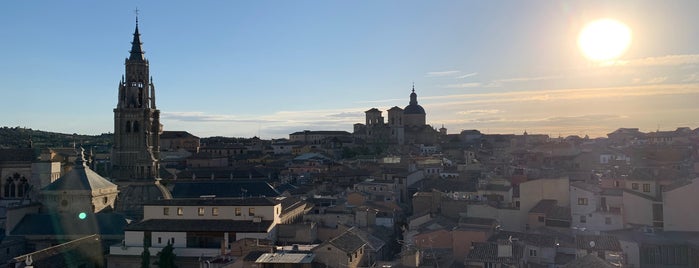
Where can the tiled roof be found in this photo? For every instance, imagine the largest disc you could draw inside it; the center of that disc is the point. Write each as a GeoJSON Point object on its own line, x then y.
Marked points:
{"type": "Point", "coordinates": [80, 178]}
{"type": "Point", "coordinates": [488, 252]}
{"type": "Point", "coordinates": [176, 225]}
{"type": "Point", "coordinates": [589, 260]}
{"type": "Point", "coordinates": [601, 242]}
{"type": "Point", "coordinates": [322, 132]}
{"type": "Point", "coordinates": [347, 242]}
{"type": "Point", "coordinates": [56, 224]}
{"type": "Point", "coordinates": [544, 206]}
{"type": "Point", "coordinates": [195, 189]}
{"type": "Point", "coordinates": [200, 174]}
{"type": "Point", "coordinates": [470, 221]}
{"type": "Point", "coordinates": [248, 201]}
{"type": "Point", "coordinates": [498, 187]}
{"type": "Point", "coordinates": [285, 258]}
{"type": "Point", "coordinates": [559, 213]}
{"type": "Point", "coordinates": [539, 240]}
{"type": "Point", "coordinates": [18, 155]}
{"type": "Point", "coordinates": [372, 241]}
{"type": "Point", "coordinates": [176, 134]}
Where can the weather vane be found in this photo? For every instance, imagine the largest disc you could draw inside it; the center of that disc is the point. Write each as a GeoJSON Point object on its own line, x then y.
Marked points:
{"type": "Point", "coordinates": [136, 12]}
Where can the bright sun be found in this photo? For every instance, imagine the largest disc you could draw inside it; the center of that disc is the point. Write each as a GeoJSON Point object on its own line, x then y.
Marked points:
{"type": "Point", "coordinates": [604, 39]}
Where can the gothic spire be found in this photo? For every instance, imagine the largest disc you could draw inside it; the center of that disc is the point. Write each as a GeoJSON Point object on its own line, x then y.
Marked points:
{"type": "Point", "coordinates": [136, 49]}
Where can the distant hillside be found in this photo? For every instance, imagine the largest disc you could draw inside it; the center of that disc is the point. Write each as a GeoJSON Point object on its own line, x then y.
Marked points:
{"type": "Point", "coordinates": [16, 137]}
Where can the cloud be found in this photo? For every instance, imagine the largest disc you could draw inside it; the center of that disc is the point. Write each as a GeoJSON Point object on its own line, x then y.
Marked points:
{"type": "Point", "coordinates": [442, 73]}
{"type": "Point", "coordinates": [347, 115]}
{"type": "Point", "coordinates": [479, 112]}
{"type": "Point", "coordinates": [203, 117]}
{"type": "Point", "coordinates": [464, 85]}
{"type": "Point", "coordinates": [492, 84]}
{"type": "Point", "coordinates": [669, 60]}
{"type": "Point", "coordinates": [466, 75]}
{"type": "Point", "coordinates": [563, 94]}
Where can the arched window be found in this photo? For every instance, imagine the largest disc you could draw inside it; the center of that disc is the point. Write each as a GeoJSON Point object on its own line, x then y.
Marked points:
{"type": "Point", "coordinates": [23, 187]}
{"type": "Point", "coordinates": [128, 126]}
{"type": "Point", "coordinates": [8, 184]}
{"type": "Point", "coordinates": [135, 126]}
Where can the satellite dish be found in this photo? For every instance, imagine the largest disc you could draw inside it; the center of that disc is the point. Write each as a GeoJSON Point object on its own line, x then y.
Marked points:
{"type": "Point", "coordinates": [592, 244]}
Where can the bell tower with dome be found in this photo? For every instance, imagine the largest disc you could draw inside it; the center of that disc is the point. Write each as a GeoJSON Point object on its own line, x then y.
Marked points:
{"type": "Point", "coordinates": [137, 128]}
{"type": "Point", "coordinates": [414, 114]}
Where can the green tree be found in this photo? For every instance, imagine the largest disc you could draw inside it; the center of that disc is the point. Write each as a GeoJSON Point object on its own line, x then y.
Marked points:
{"type": "Point", "coordinates": [145, 255]}
{"type": "Point", "coordinates": [166, 257]}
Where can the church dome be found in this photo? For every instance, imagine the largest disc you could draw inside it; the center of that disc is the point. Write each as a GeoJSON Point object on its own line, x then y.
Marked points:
{"type": "Point", "coordinates": [413, 107]}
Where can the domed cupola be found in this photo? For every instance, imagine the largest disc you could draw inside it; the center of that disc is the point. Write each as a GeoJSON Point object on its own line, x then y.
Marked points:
{"type": "Point", "coordinates": [414, 114]}
{"type": "Point", "coordinates": [413, 107]}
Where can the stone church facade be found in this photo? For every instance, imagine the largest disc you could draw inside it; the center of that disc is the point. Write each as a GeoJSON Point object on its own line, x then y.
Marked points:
{"type": "Point", "coordinates": [404, 126]}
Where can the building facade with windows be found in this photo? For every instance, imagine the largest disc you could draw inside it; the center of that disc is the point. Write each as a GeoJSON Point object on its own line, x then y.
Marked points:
{"type": "Point", "coordinates": [197, 227]}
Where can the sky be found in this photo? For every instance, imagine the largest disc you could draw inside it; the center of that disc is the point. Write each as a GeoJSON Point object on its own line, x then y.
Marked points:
{"type": "Point", "coordinates": [271, 68]}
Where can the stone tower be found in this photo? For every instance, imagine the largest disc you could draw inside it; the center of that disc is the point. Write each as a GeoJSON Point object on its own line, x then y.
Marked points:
{"type": "Point", "coordinates": [137, 128]}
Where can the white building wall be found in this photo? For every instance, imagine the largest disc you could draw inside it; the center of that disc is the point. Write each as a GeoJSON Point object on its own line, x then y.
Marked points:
{"type": "Point", "coordinates": [680, 208]}
{"type": "Point", "coordinates": [224, 212]}
{"type": "Point", "coordinates": [638, 210]}
{"type": "Point", "coordinates": [578, 210]}
{"type": "Point", "coordinates": [180, 239]}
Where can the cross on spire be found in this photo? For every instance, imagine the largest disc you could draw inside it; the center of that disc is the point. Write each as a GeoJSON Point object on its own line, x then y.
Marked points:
{"type": "Point", "coordinates": [136, 12]}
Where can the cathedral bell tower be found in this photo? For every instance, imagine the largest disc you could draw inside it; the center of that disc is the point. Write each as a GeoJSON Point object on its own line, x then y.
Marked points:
{"type": "Point", "coordinates": [136, 149]}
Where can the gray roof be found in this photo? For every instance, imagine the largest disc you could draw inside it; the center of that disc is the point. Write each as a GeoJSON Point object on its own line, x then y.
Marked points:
{"type": "Point", "coordinates": [81, 178]}
{"type": "Point", "coordinates": [347, 242]}
{"type": "Point", "coordinates": [372, 241]}
{"type": "Point", "coordinates": [488, 252]}
{"type": "Point", "coordinates": [285, 257]}
{"type": "Point", "coordinates": [544, 206]}
{"type": "Point", "coordinates": [589, 260]}
{"type": "Point", "coordinates": [248, 201]}
{"type": "Point", "coordinates": [57, 224]}
{"type": "Point", "coordinates": [222, 188]}
{"type": "Point", "coordinates": [601, 242]}
{"type": "Point", "coordinates": [177, 225]}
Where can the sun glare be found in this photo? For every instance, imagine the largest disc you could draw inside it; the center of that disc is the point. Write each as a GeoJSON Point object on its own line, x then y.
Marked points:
{"type": "Point", "coordinates": [604, 39]}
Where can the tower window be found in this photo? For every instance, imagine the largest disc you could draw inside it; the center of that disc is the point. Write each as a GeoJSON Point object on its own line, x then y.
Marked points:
{"type": "Point", "coordinates": [135, 126]}
{"type": "Point", "coordinates": [128, 126]}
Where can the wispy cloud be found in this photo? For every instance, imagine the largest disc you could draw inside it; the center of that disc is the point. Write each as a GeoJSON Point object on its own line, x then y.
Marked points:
{"type": "Point", "coordinates": [347, 115]}
{"type": "Point", "coordinates": [669, 60]}
{"type": "Point", "coordinates": [204, 117]}
{"type": "Point", "coordinates": [479, 112]}
{"type": "Point", "coordinates": [466, 75]}
{"type": "Point", "coordinates": [442, 73]}
{"type": "Point", "coordinates": [465, 85]}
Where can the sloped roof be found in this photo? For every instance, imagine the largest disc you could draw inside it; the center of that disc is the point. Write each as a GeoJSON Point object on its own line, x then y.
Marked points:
{"type": "Point", "coordinates": [58, 224]}
{"type": "Point", "coordinates": [488, 252]}
{"type": "Point", "coordinates": [17, 155]}
{"type": "Point", "coordinates": [347, 242]}
{"type": "Point", "coordinates": [589, 260]}
{"type": "Point", "coordinates": [372, 241]}
{"type": "Point", "coordinates": [176, 134]}
{"type": "Point", "coordinates": [544, 206]}
{"type": "Point", "coordinates": [177, 225]}
{"type": "Point", "coordinates": [601, 242]}
{"type": "Point", "coordinates": [81, 178]}
{"type": "Point", "coordinates": [195, 189]}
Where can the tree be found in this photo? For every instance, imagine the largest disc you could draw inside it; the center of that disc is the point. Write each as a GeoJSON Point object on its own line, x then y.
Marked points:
{"type": "Point", "coordinates": [145, 255]}
{"type": "Point", "coordinates": [166, 257]}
